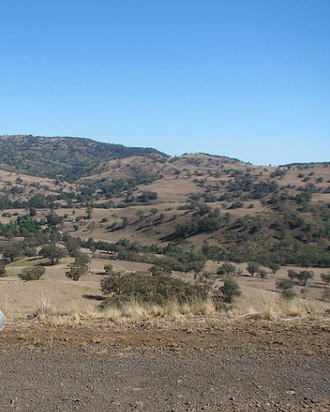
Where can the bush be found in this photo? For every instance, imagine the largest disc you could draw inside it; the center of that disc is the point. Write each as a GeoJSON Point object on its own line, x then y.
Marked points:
{"type": "Point", "coordinates": [303, 276]}
{"type": "Point", "coordinates": [253, 267]}
{"type": "Point", "coordinates": [262, 273]}
{"type": "Point", "coordinates": [326, 277]}
{"type": "Point", "coordinates": [76, 272]}
{"type": "Point", "coordinates": [79, 267]}
{"type": "Point", "coordinates": [226, 269]}
{"type": "Point", "coordinates": [230, 290]}
{"type": "Point", "coordinates": [53, 253]}
{"type": "Point", "coordinates": [284, 284]}
{"type": "Point", "coordinates": [2, 271]}
{"type": "Point", "coordinates": [32, 273]}
{"type": "Point", "coordinates": [108, 268]}
{"type": "Point", "coordinates": [286, 287]}
{"type": "Point", "coordinates": [145, 288]}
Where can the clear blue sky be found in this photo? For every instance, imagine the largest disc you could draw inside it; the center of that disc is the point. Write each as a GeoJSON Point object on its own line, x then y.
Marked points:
{"type": "Point", "coordinates": [242, 78]}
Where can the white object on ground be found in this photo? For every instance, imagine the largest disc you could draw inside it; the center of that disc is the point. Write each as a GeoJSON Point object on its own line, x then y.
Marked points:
{"type": "Point", "coordinates": [2, 320]}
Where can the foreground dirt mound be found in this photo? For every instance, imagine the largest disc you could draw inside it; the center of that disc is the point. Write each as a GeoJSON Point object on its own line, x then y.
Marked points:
{"type": "Point", "coordinates": [239, 367]}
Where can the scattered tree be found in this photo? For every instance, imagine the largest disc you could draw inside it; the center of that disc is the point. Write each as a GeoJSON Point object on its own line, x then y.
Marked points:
{"type": "Point", "coordinates": [253, 268]}
{"type": "Point", "coordinates": [262, 273]}
{"type": "Point", "coordinates": [32, 273]}
{"type": "Point", "coordinates": [79, 267]}
{"type": "Point", "coordinates": [108, 268]}
{"type": "Point", "coordinates": [274, 267]}
{"type": "Point", "coordinates": [12, 250]}
{"type": "Point", "coordinates": [303, 276]}
{"type": "Point", "coordinates": [286, 287]}
{"type": "Point", "coordinates": [230, 290]}
{"type": "Point", "coordinates": [226, 269]}
{"type": "Point", "coordinates": [53, 253]}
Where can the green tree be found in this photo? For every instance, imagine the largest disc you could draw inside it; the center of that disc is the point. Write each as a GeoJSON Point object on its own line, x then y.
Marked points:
{"type": "Point", "coordinates": [292, 274]}
{"type": "Point", "coordinates": [253, 268]}
{"type": "Point", "coordinates": [142, 287]}
{"type": "Point", "coordinates": [79, 267]}
{"type": "Point", "coordinates": [11, 250]}
{"type": "Point", "coordinates": [53, 253]}
{"type": "Point", "coordinates": [274, 267]}
{"type": "Point", "coordinates": [286, 287]}
{"type": "Point", "coordinates": [226, 269]}
{"type": "Point", "coordinates": [125, 221]}
{"type": "Point", "coordinates": [33, 211]}
{"type": "Point", "coordinates": [89, 211]}
{"type": "Point", "coordinates": [76, 272]}
{"type": "Point", "coordinates": [159, 271]}
{"type": "Point", "coordinates": [72, 245]}
{"type": "Point", "coordinates": [262, 273]}
{"type": "Point", "coordinates": [304, 276]}
{"type": "Point", "coordinates": [32, 273]}
{"type": "Point", "coordinates": [82, 259]}
{"type": "Point", "coordinates": [53, 219]}
{"type": "Point", "coordinates": [108, 268]}
{"type": "Point", "coordinates": [230, 290]}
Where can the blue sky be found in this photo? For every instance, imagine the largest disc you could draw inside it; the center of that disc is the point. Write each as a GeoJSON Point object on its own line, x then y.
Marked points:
{"type": "Point", "coordinates": [242, 78]}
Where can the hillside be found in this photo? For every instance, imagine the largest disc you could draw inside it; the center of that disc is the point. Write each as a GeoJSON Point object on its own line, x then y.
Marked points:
{"type": "Point", "coordinates": [69, 158]}
{"type": "Point", "coordinates": [230, 209]}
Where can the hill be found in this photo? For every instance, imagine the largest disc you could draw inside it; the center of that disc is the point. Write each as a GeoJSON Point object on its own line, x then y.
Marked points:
{"type": "Point", "coordinates": [226, 208]}
{"type": "Point", "coordinates": [69, 158]}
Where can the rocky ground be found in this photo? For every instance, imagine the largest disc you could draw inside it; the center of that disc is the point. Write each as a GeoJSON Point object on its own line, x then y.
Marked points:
{"type": "Point", "coordinates": [241, 366]}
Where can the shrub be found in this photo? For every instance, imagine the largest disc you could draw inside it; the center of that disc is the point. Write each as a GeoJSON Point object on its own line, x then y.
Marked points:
{"type": "Point", "coordinates": [262, 273]}
{"type": "Point", "coordinates": [79, 267]}
{"type": "Point", "coordinates": [2, 271]}
{"type": "Point", "coordinates": [303, 276]}
{"type": "Point", "coordinates": [288, 294]}
{"type": "Point", "coordinates": [253, 267]}
{"type": "Point", "coordinates": [230, 290]}
{"type": "Point", "coordinates": [326, 277]}
{"type": "Point", "coordinates": [76, 272]}
{"type": "Point", "coordinates": [53, 253]}
{"type": "Point", "coordinates": [145, 288]}
{"type": "Point", "coordinates": [226, 269]}
{"type": "Point", "coordinates": [286, 287]}
{"type": "Point", "coordinates": [284, 284]}
{"type": "Point", "coordinates": [32, 273]}
{"type": "Point", "coordinates": [108, 268]}
{"type": "Point", "coordinates": [274, 267]}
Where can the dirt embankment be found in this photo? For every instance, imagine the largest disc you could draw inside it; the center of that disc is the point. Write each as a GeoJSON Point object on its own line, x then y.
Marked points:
{"type": "Point", "coordinates": [246, 366]}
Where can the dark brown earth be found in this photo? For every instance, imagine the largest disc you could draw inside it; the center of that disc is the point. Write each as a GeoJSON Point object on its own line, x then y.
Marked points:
{"type": "Point", "coordinates": [244, 366]}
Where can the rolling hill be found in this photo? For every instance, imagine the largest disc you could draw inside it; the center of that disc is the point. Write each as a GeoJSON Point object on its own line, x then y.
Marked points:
{"type": "Point", "coordinates": [224, 207]}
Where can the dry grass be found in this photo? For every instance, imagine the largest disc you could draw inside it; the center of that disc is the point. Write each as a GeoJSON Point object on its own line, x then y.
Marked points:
{"type": "Point", "coordinates": [194, 313]}
{"type": "Point", "coordinates": [275, 309]}
{"type": "Point", "coordinates": [129, 313]}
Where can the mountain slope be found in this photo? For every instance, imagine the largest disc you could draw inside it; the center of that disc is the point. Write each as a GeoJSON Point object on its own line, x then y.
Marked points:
{"type": "Point", "coordinates": [70, 158]}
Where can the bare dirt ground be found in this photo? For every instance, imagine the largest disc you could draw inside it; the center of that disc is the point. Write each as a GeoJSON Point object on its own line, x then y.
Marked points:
{"type": "Point", "coordinates": [241, 366]}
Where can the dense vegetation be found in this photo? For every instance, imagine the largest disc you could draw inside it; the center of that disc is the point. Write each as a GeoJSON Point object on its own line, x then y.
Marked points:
{"type": "Point", "coordinates": [69, 158]}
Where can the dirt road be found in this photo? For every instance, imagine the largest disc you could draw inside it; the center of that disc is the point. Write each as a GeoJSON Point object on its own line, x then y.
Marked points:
{"type": "Point", "coordinates": [241, 367]}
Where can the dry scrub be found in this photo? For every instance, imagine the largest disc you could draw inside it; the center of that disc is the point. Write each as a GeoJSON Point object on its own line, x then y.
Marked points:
{"type": "Point", "coordinates": [192, 314]}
